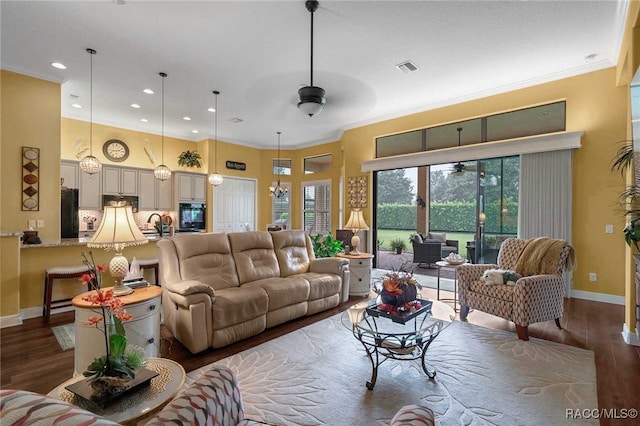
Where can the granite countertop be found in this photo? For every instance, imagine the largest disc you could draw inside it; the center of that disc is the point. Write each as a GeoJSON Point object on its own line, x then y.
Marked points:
{"type": "Point", "coordinates": [82, 241]}
{"type": "Point", "coordinates": [11, 234]}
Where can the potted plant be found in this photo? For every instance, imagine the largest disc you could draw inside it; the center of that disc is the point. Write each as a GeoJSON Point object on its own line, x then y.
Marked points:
{"type": "Point", "coordinates": [189, 159]}
{"type": "Point", "coordinates": [398, 245]}
{"type": "Point", "coordinates": [325, 245]}
{"type": "Point", "coordinates": [622, 162]}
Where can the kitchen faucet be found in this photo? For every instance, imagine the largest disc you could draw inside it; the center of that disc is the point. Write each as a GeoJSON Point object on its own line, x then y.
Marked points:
{"type": "Point", "coordinates": [161, 222]}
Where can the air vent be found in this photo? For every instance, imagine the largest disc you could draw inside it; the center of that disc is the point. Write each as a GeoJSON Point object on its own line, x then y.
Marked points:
{"type": "Point", "coordinates": [236, 120]}
{"type": "Point", "coordinates": [407, 67]}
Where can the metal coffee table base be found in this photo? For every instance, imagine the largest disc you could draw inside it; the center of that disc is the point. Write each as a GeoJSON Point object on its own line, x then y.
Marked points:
{"type": "Point", "coordinates": [392, 348]}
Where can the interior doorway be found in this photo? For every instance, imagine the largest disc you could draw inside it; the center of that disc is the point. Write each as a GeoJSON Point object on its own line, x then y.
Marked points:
{"type": "Point", "coordinates": [234, 205]}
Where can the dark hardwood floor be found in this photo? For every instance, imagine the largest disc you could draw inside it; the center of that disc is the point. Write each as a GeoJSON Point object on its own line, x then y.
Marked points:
{"type": "Point", "coordinates": [31, 358]}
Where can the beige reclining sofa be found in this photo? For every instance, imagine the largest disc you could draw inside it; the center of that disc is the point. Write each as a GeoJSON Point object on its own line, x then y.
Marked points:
{"type": "Point", "coordinates": [222, 288]}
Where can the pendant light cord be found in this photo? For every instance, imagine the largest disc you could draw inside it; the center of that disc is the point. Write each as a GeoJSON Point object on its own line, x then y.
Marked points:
{"type": "Point", "coordinates": [279, 171]}
{"type": "Point", "coordinates": [215, 133]}
{"type": "Point", "coordinates": [91, 52]}
{"type": "Point", "coordinates": [163, 75]}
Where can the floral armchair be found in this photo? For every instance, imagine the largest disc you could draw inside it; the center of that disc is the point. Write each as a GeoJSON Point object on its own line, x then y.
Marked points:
{"type": "Point", "coordinates": [537, 296]}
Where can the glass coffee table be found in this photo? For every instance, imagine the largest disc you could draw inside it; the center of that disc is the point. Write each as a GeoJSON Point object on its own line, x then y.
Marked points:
{"type": "Point", "coordinates": [399, 337]}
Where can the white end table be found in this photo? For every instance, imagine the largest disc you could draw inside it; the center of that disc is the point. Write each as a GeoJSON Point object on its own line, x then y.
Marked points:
{"type": "Point", "coordinates": [443, 264]}
{"type": "Point", "coordinates": [360, 270]}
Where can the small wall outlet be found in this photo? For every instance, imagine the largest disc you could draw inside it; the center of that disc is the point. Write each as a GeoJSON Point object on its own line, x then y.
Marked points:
{"type": "Point", "coordinates": [608, 229]}
{"type": "Point", "coordinates": [40, 223]}
{"type": "Point", "coordinates": [593, 276]}
{"type": "Point", "coordinates": [32, 224]}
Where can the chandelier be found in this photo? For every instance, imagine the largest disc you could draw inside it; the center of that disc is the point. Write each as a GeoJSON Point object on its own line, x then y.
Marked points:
{"type": "Point", "coordinates": [90, 164]}
{"type": "Point", "coordinates": [162, 172]}
{"type": "Point", "coordinates": [278, 191]}
{"type": "Point", "coordinates": [215, 178]}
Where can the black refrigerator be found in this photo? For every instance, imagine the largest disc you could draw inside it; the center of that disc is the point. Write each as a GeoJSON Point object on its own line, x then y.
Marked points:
{"type": "Point", "coordinates": [69, 221]}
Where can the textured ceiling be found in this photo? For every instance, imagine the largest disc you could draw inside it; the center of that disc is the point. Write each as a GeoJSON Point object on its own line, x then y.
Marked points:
{"type": "Point", "coordinates": [257, 55]}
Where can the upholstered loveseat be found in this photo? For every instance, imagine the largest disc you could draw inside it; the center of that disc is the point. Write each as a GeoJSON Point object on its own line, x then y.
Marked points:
{"type": "Point", "coordinates": [222, 288]}
{"type": "Point", "coordinates": [213, 398]}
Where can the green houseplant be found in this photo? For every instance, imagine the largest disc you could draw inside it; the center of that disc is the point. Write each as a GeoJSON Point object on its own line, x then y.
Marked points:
{"type": "Point", "coordinates": [622, 162]}
{"type": "Point", "coordinates": [189, 159]}
{"type": "Point", "coordinates": [398, 245]}
{"type": "Point", "coordinates": [325, 245]}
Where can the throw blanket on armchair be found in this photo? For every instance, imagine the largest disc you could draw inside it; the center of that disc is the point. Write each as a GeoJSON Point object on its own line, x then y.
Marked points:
{"type": "Point", "coordinates": [540, 256]}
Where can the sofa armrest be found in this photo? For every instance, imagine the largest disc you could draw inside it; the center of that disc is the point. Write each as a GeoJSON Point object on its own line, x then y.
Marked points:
{"type": "Point", "coordinates": [23, 407]}
{"type": "Point", "coordinates": [413, 415]}
{"type": "Point", "coordinates": [213, 398]}
{"type": "Point", "coordinates": [452, 243]}
{"type": "Point", "coordinates": [328, 265]}
{"type": "Point", "coordinates": [538, 298]}
{"type": "Point", "coordinates": [188, 287]}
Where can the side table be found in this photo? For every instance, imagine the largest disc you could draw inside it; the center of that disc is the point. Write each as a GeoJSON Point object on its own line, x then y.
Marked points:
{"type": "Point", "coordinates": [443, 264]}
{"type": "Point", "coordinates": [143, 330]}
{"type": "Point", "coordinates": [360, 270]}
{"type": "Point", "coordinates": [140, 403]}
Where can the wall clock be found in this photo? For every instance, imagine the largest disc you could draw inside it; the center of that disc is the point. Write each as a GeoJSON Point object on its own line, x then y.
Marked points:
{"type": "Point", "coordinates": [115, 150]}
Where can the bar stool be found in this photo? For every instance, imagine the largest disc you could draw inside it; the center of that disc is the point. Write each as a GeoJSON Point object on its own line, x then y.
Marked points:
{"type": "Point", "coordinates": [150, 263]}
{"type": "Point", "coordinates": [59, 273]}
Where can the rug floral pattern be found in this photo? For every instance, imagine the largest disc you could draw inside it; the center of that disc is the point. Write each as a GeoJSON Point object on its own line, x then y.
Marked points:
{"type": "Point", "coordinates": [316, 376]}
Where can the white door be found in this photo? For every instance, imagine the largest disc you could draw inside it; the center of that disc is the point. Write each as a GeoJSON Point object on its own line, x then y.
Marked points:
{"type": "Point", "coordinates": [234, 205]}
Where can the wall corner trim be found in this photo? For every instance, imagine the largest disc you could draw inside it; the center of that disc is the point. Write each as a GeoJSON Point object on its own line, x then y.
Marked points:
{"type": "Point", "coordinates": [629, 337]}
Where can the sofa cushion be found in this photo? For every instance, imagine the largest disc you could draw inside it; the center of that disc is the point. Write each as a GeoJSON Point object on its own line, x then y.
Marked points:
{"type": "Point", "coordinates": [502, 292]}
{"type": "Point", "coordinates": [440, 236]}
{"type": "Point", "coordinates": [283, 291]}
{"type": "Point", "coordinates": [322, 285]}
{"type": "Point", "coordinates": [291, 251]}
{"type": "Point", "coordinates": [27, 408]}
{"type": "Point", "coordinates": [238, 304]}
{"type": "Point", "coordinates": [206, 258]}
{"type": "Point", "coordinates": [254, 256]}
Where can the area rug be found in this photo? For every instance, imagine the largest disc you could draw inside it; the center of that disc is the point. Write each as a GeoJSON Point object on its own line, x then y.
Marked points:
{"type": "Point", "coordinates": [316, 376]}
{"type": "Point", "coordinates": [65, 335]}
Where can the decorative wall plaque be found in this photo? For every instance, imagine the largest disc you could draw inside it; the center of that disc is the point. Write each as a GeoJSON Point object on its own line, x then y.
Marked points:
{"type": "Point", "coordinates": [30, 178]}
{"type": "Point", "coordinates": [236, 165]}
{"type": "Point", "coordinates": [357, 191]}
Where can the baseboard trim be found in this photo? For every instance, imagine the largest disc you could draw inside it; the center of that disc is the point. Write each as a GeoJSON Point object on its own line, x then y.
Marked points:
{"type": "Point", "coordinates": [36, 312]}
{"type": "Point", "coordinates": [629, 337]}
{"type": "Point", "coordinates": [10, 321]}
{"type": "Point", "coordinates": [597, 297]}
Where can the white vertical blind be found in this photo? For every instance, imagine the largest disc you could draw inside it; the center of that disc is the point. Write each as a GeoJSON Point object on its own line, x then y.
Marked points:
{"type": "Point", "coordinates": [545, 201]}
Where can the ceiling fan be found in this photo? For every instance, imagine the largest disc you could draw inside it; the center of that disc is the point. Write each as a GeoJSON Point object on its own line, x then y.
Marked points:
{"type": "Point", "coordinates": [459, 167]}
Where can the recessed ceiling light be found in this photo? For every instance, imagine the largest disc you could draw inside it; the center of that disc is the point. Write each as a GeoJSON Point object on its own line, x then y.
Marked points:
{"type": "Point", "coordinates": [194, 131]}
{"type": "Point", "coordinates": [135, 106]}
{"type": "Point", "coordinates": [76, 105]}
{"type": "Point", "coordinates": [58, 65]}
{"type": "Point", "coordinates": [211, 110]}
{"type": "Point", "coordinates": [144, 120]}
{"type": "Point", "coordinates": [236, 120]}
{"type": "Point", "coordinates": [186, 118]}
{"type": "Point", "coordinates": [148, 91]}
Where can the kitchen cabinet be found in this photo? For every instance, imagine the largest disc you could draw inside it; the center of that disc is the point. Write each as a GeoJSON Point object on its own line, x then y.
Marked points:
{"type": "Point", "coordinates": [191, 187]}
{"type": "Point", "coordinates": [90, 191]}
{"type": "Point", "coordinates": [154, 194]}
{"type": "Point", "coordinates": [119, 181]}
{"type": "Point", "coordinates": [69, 174]}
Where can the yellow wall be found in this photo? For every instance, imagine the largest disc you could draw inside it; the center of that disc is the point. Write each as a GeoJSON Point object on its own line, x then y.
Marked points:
{"type": "Point", "coordinates": [594, 104]}
{"type": "Point", "coordinates": [30, 117]}
{"type": "Point", "coordinates": [72, 130]}
{"type": "Point", "coordinates": [9, 276]}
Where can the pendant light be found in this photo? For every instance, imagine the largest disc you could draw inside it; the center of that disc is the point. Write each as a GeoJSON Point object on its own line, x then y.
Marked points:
{"type": "Point", "coordinates": [311, 97]}
{"type": "Point", "coordinates": [162, 172]}
{"type": "Point", "coordinates": [215, 178]}
{"type": "Point", "coordinates": [90, 164]}
{"type": "Point", "coordinates": [278, 191]}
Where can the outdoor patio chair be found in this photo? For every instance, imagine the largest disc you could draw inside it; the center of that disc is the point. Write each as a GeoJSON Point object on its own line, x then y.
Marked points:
{"type": "Point", "coordinates": [427, 253]}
